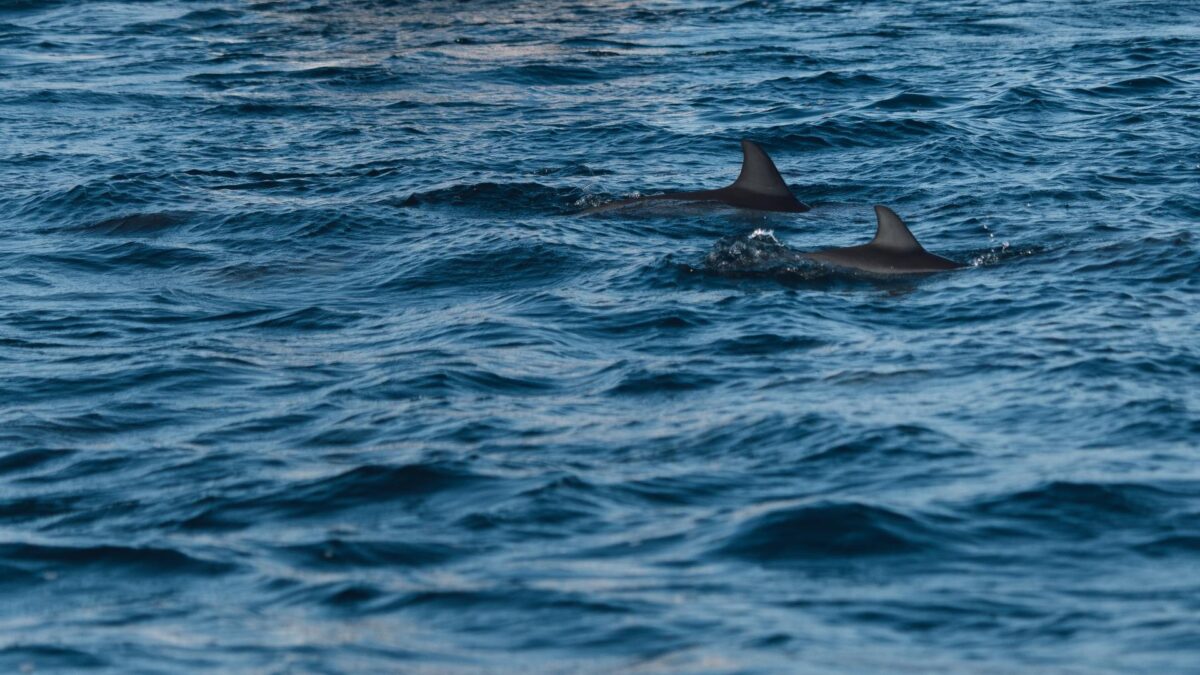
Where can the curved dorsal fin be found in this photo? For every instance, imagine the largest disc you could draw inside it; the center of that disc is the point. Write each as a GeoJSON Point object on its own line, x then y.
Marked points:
{"type": "Point", "coordinates": [892, 233]}
{"type": "Point", "coordinates": [759, 174]}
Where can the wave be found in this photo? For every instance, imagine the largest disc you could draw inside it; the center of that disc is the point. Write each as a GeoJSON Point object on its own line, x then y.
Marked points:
{"type": "Point", "coordinates": [338, 553]}
{"type": "Point", "coordinates": [759, 344]}
{"type": "Point", "coordinates": [1135, 86]}
{"type": "Point", "coordinates": [914, 101]}
{"type": "Point", "coordinates": [347, 75]}
{"type": "Point", "coordinates": [368, 486]}
{"type": "Point", "coordinates": [137, 223]}
{"type": "Point", "coordinates": [20, 657]}
{"type": "Point", "coordinates": [108, 559]}
{"type": "Point", "coordinates": [851, 131]}
{"type": "Point", "coordinates": [25, 460]}
{"type": "Point", "coordinates": [506, 266]}
{"type": "Point", "coordinates": [500, 197]}
{"type": "Point", "coordinates": [548, 75]}
{"type": "Point", "coordinates": [360, 77]}
{"type": "Point", "coordinates": [1074, 510]}
{"type": "Point", "coordinates": [643, 383]}
{"type": "Point", "coordinates": [828, 79]}
{"type": "Point", "coordinates": [242, 109]}
{"type": "Point", "coordinates": [828, 531]}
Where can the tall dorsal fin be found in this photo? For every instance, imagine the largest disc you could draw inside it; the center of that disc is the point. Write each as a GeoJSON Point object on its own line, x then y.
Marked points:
{"type": "Point", "coordinates": [892, 233]}
{"type": "Point", "coordinates": [759, 174]}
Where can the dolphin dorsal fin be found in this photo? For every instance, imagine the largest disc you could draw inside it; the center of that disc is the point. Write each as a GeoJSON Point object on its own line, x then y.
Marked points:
{"type": "Point", "coordinates": [892, 233]}
{"type": "Point", "coordinates": [759, 174]}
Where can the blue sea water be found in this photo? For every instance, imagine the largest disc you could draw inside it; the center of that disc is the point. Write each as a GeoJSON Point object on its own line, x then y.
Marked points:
{"type": "Point", "coordinates": [309, 364]}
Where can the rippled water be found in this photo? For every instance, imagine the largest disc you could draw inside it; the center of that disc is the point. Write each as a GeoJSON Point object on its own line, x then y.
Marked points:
{"type": "Point", "coordinates": [307, 362]}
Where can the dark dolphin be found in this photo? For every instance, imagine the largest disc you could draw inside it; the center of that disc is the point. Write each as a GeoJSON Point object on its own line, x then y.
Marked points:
{"type": "Point", "coordinates": [759, 186]}
{"type": "Point", "coordinates": [894, 250]}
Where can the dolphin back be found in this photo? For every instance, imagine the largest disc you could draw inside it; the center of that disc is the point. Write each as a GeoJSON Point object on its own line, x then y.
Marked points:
{"type": "Point", "coordinates": [759, 186]}
{"type": "Point", "coordinates": [759, 174]}
{"type": "Point", "coordinates": [894, 250]}
{"type": "Point", "coordinates": [891, 232]}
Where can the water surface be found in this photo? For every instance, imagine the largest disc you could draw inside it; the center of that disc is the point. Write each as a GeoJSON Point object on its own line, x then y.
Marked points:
{"type": "Point", "coordinates": [308, 365]}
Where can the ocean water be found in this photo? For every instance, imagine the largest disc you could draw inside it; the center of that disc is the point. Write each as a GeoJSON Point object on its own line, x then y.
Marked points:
{"type": "Point", "coordinates": [309, 364]}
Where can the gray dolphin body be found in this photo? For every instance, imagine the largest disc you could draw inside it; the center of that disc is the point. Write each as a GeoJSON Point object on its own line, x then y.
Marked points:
{"type": "Point", "coordinates": [759, 186]}
{"type": "Point", "coordinates": [894, 250]}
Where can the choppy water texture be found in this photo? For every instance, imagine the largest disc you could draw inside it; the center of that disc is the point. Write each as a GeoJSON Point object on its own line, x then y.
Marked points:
{"type": "Point", "coordinates": [307, 363]}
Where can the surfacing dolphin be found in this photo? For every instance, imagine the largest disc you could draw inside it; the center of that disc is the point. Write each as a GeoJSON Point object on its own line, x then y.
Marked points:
{"type": "Point", "coordinates": [894, 250]}
{"type": "Point", "coordinates": [759, 186]}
